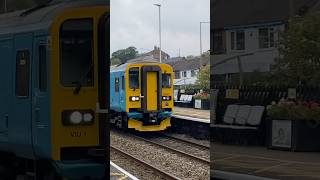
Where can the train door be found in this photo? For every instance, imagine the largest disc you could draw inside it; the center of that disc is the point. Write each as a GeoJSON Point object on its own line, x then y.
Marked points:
{"type": "Point", "coordinates": [5, 88]}
{"type": "Point", "coordinates": [40, 93]}
{"type": "Point", "coordinates": [152, 88]}
{"type": "Point", "coordinates": [117, 92]}
{"type": "Point", "coordinates": [20, 114]}
{"type": "Point", "coordinates": [151, 91]}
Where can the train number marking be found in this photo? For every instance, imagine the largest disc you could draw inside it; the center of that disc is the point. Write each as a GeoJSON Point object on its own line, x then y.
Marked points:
{"type": "Point", "coordinates": [78, 134]}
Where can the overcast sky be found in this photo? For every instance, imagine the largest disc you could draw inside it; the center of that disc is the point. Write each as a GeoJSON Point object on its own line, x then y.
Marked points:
{"type": "Point", "coordinates": [135, 23]}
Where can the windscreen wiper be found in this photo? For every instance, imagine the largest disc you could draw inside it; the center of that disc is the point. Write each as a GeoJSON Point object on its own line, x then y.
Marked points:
{"type": "Point", "coordinates": [79, 83]}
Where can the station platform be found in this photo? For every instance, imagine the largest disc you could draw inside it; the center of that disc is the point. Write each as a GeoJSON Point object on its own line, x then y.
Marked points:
{"type": "Point", "coordinates": [117, 173]}
{"type": "Point", "coordinates": [192, 114]}
{"type": "Point", "coordinates": [263, 162]}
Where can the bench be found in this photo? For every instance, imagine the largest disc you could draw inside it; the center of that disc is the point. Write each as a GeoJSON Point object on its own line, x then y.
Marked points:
{"type": "Point", "coordinates": [241, 124]}
{"type": "Point", "coordinates": [184, 101]}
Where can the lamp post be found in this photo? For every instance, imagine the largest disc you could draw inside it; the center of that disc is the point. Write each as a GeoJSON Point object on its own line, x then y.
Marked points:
{"type": "Point", "coordinates": [5, 6]}
{"type": "Point", "coordinates": [159, 5]}
{"type": "Point", "coordinates": [201, 42]}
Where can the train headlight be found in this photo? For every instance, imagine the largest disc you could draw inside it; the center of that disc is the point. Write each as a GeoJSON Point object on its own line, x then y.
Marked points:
{"type": "Point", "coordinates": [77, 117]}
{"type": "Point", "coordinates": [87, 117]}
{"type": "Point", "coordinates": [166, 98]}
{"type": "Point", "coordinates": [134, 98]}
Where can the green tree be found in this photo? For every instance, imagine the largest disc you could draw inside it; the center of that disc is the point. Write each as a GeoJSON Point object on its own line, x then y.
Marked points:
{"type": "Point", "coordinates": [115, 61]}
{"type": "Point", "coordinates": [299, 61]}
{"type": "Point", "coordinates": [125, 54]}
{"type": "Point", "coordinates": [203, 81]}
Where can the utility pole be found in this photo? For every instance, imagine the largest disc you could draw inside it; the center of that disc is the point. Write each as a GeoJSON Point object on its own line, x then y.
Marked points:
{"type": "Point", "coordinates": [159, 5]}
{"type": "Point", "coordinates": [201, 43]}
{"type": "Point", "coordinates": [5, 6]}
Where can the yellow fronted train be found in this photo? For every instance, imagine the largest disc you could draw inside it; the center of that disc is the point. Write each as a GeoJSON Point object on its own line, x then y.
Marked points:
{"type": "Point", "coordinates": [53, 95]}
{"type": "Point", "coordinates": [141, 95]}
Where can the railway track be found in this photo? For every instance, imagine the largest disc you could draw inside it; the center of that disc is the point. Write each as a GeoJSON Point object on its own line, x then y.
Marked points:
{"type": "Point", "coordinates": [187, 141]}
{"type": "Point", "coordinates": [171, 157]}
{"type": "Point", "coordinates": [162, 173]}
{"type": "Point", "coordinates": [183, 153]}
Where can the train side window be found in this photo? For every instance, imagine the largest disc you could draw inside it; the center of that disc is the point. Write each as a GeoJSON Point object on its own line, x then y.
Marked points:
{"type": "Point", "coordinates": [122, 82]}
{"type": "Point", "coordinates": [116, 85]}
{"type": "Point", "coordinates": [42, 71]}
{"type": "Point", "coordinates": [134, 78]}
{"type": "Point", "coordinates": [166, 80]}
{"type": "Point", "coordinates": [22, 73]}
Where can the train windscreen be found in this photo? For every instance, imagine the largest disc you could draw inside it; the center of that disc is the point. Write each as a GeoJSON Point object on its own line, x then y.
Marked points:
{"type": "Point", "coordinates": [76, 52]}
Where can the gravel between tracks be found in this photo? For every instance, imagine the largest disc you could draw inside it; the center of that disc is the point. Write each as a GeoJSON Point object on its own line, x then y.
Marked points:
{"type": "Point", "coordinates": [189, 138]}
{"type": "Point", "coordinates": [179, 165]}
{"type": "Point", "coordinates": [133, 167]}
{"type": "Point", "coordinates": [185, 147]}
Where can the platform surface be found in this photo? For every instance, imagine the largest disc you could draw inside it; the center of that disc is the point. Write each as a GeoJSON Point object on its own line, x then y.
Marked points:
{"type": "Point", "coordinates": [192, 114]}
{"type": "Point", "coordinates": [260, 161]}
{"type": "Point", "coordinates": [117, 173]}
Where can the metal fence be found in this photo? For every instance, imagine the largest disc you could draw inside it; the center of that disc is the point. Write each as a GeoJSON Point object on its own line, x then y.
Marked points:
{"type": "Point", "coordinates": [258, 95]}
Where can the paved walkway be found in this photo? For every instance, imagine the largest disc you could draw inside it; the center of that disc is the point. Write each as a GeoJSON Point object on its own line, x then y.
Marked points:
{"type": "Point", "coordinates": [261, 161]}
{"type": "Point", "coordinates": [191, 112]}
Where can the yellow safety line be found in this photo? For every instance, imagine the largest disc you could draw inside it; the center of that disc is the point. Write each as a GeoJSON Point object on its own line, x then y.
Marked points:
{"type": "Point", "coordinates": [272, 159]}
{"type": "Point", "coordinates": [271, 167]}
{"type": "Point", "coordinates": [226, 158]}
{"type": "Point", "coordinates": [117, 174]}
{"type": "Point", "coordinates": [122, 178]}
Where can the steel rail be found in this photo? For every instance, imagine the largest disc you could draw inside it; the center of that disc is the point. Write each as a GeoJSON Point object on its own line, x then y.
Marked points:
{"type": "Point", "coordinates": [159, 171]}
{"type": "Point", "coordinates": [205, 161]}
{"type": "Point", "coordinates": [187, 141]}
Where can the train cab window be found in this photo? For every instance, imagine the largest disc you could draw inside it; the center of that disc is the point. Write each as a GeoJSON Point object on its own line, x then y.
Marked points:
{"type": "Point", "coordinates": [76, 53]}
{"type": "Point", "coordinates": [42, 71]}
{"type": "Point", "coordinates": [134, 78]}
{"type": "Point", "coordinates": [166, 80]}
{"type": "Point", "coordinates": [116, 84]}
{"type": "Point", "coordinates": [22, 73]}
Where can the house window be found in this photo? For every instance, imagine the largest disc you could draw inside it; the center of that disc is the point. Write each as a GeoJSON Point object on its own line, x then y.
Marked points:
{"type": "Point", "coordinates": [184, 74]}
{"type": "Point", "coordinates": [237, 40]}
{"type": "Point", "coordinates": [266, 38]}
{"type": "Point", "coordinates": [193, 73]}
{"type": "Point", "coordinates": [177, 74]}
{"type": "Point", "coordinates": [219, 42]}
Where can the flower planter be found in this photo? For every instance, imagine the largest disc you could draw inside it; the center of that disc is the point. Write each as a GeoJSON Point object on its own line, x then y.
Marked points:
{"type": "Point", "coordinates": [203, 104]}
{"type": "Point", "coordinates": [293, 135]}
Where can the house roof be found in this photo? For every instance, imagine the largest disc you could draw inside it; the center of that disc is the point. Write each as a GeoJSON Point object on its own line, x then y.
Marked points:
{"type": "Point", "coordinates": [187, 64]}
{"type": "Point", "coordinates": [174, 59]}
{"type": "Point", "coordinates": [230, 13]}
{"type": "Point", "coordinates": [155, 51]}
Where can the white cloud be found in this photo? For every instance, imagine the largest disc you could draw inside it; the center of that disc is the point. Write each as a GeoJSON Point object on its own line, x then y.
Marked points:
{"type": "Point", "coordinates": [135, 23]}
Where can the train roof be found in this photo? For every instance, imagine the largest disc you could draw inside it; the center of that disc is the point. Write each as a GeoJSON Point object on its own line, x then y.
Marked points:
{"type": "Point", "coordinates": [122, 67]}
{"type": "Point", "coordinates": [39, 18]}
